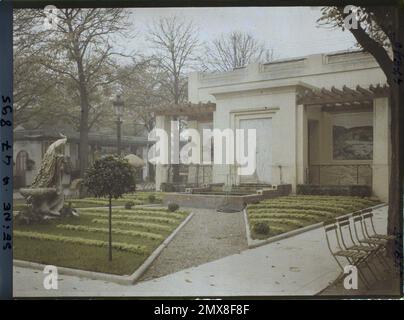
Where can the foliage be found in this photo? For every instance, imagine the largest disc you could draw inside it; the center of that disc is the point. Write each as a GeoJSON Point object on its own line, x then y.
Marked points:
{"type": "Point", "coordinates": [49, 239]}
{"type": "Point", "coordinates": [133, 233]}
{"type": "Point", "coordinates": [173, 207]}
{"type": "Point", "coordinates": [146, 225]}
{"type": "Point", "coordinates": [261, 228]}
{"type": "Point", "coordinates": [349, 190]}
{"type": "Point", "coordinates": [129, 205]}
{"type": "Point", "coordinates": [138, 212]}
{"type": "Point", "coordinates": [110, 176]}
{"type": "Point", "coordinates": [284, 214]}
{"type": "Point", "coordinates": [79, 241]}
{"type": "Point", "coordinates": [136, 217]}
{"type": "Point", "coordinates": [152, 198]}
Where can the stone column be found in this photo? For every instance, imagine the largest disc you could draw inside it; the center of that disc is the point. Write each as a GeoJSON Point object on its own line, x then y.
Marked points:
{"type": "Point", "coordinates": [193, 168]}
{"type": "Point", "coordinates": [145, 171]}
{"type": "Point", "coordinates": [163, 122]}
{"type": "Point", "coordinates": [381, 148]}
{"type": "Point", "coordinates": [301, 144]}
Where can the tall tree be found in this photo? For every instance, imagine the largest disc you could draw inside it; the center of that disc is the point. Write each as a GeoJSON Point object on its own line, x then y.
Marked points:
{"type": "Point", "coordinates": [140, 82]}
{"type": "Point", "coordinates": [31, 81]}
{"type": "Point", "coordinates": [234, 50]}
{"type": "Point", "coordinates": [380, 32]}
{"type": "Point", "coordinates": [174, 42]}
{"type": "Point", "coordinates": [79, 50]}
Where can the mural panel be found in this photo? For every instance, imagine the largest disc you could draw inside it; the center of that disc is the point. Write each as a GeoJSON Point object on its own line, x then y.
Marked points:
{"type": "Point", "coordinates": [353, 136]}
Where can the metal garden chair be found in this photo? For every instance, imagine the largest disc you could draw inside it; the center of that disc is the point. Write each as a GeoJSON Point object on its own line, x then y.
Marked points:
{"type": "Point", "coordinates": [362, 235]}
{"type": "Point", "coordinates": [353, 257]}
{"type": "Point", "coordinates": [369, 227]}
{"type": "Point", "coordinates": [348, 243]}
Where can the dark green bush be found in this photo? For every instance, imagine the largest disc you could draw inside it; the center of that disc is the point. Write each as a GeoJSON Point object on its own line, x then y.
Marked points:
{"type": "Point", "coordinates": [151, 198]}
{"type": "Point", "coordinates": [129, 205]}
{"type": "Point", "coordinates": [167, 187]}
{"type": "Point", "coordinates": [173, 207]}
{"type": "Point", "coordinates": [110, 177]}
{"type": "Point", "coordinates": [261, 228]}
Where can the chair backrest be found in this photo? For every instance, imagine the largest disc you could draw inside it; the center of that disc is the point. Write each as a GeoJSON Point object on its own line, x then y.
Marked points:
{"type": "Point", "coordinates": [344, 225]}
{"type": "Point", "coordinates": [359, 230]}
{"type": "Point", "coordinates": [332, 237]}
{"type": "Point", "coordinates": [367, 223]}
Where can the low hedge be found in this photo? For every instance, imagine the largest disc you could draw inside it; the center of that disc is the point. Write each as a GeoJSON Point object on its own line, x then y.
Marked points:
{"type": "Point", "coordinates": [140, 212]}
{"type": "Point", "coordinates": [133, 233]}
{"type": "Point", "coordinates": [149, 226]}
{"type": "Point", "coordinates": [81, 241]}
{"type": "Point", "coordinates": [132, 217]}
{"type": "Point", "coordinates": [340, 190]}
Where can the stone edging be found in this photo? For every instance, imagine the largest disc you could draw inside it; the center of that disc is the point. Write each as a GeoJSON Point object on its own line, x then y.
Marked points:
{"type": "Point", "coordinates": [127, 279]}
{"type": "Point", "coordinates": [253, 243]}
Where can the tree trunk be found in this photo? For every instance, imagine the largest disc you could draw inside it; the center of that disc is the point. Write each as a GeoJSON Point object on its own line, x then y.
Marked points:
{"type": "Point", "coordinates": [394, 223]}
{"type": "Point", "coordinates": [110, 230]}
{"type": "Point", "coordinates": [83, 146]}
{"type": "Point", "coordinates": [84, 106]}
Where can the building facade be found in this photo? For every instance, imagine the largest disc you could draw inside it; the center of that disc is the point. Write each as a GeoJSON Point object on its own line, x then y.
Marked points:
{"type": "Point", "coordinates": [320, 119]}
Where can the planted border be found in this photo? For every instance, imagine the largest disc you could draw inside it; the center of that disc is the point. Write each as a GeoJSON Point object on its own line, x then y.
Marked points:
{"type": "Point", "coordinates": [134, 233]}
{"type": "Point", "coordinates": [149, 226]}
{"type": "Point", "coordinates": [81, 241]}
{"type": "Point", "coordinates": [286, 214]}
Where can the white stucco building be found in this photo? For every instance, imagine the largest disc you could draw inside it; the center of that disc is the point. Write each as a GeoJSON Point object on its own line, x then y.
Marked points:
{"type": "Point", "coordinates": [320, 119]}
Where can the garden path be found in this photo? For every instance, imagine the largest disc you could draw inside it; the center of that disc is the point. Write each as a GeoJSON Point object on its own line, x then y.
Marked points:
{"type": "Point", "coordinates": [206, 237]}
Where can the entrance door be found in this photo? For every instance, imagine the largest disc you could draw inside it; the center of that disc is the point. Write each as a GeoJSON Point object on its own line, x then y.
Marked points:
{"type": "Point", "coordinates": [263, 127]}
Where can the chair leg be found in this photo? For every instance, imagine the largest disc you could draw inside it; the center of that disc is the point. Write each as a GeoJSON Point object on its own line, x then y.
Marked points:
{"type": "Point", "coordinates": [372, 271]}
{"type": "Point", "coordinates": [361, 275]}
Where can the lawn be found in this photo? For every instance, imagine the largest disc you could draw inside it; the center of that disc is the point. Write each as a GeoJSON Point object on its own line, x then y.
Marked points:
{"type": "Point", "coordinates": [284, 214]}
{"type": "Point", "coordinates": [138, 198]}
{"type": "Point", "coordinates": [82, 242]}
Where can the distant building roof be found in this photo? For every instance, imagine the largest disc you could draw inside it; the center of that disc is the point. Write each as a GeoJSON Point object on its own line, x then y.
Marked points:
{"type": "Point", "coordinates": [72, 136]}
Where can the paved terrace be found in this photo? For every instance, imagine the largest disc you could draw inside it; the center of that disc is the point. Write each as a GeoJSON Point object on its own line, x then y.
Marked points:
{"type": "Point", "coordinates": [300, 265]}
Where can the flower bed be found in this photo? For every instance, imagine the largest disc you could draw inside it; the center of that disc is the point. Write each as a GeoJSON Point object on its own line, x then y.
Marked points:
{"type": "Point", "coordinates": [285, 214]}
{"type": "Point", "coordinates": [82, 242]}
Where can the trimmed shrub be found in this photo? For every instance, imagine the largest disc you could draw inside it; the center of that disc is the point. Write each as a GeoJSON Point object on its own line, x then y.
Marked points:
{"type": "Point", "coordinates": [261, 228]}
{"type": "Point", "coordinates": [129, 205]}
{"type": "Point", "coordinates": [151, 198]}
{"type": "Point", "coordinates": [173, 207]}
{"type": "Point", "coordinates": [167, 187]}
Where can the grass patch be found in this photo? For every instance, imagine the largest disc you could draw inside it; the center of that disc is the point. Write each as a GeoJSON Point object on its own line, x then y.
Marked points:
{"type": "Point", "coordinates": [285, 214]}
{"type": "Point", "coordinates": [138, 198]}
{"type": "Point", "coordinates": [82, 243]}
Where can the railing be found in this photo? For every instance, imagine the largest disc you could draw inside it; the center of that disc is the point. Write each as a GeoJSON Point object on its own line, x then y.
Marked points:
{"type": "Point", "coordinates": [339, 174]}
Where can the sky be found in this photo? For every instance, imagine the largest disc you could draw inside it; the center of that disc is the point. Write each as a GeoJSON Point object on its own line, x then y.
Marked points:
{"type": "Point", "coordinates": [289, 31]}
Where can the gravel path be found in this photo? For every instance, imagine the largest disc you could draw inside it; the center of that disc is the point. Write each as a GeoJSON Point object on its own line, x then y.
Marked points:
{"type": "Point", "coordinates": [207, 236]}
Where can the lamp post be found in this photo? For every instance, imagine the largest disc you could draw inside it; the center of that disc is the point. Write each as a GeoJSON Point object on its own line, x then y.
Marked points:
{"type": "Point", "coordinates": [118, 106]}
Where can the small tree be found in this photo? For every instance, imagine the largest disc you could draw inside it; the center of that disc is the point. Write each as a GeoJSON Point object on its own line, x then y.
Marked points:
{"type": "Point", "coordinates": [110, 177]}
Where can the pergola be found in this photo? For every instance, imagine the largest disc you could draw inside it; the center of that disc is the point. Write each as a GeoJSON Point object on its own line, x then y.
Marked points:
{"type": "Point", "coordinates": [346, 99]}
{"type": "Point", "coordinates": [202, 112]}
{"type": "Point", "coordinates": [313, 102]}
{"type": "Point", "coordinates": [195, 113]}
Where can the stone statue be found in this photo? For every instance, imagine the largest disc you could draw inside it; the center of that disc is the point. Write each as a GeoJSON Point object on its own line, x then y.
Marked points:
{"type": "Point", "coordinates": [45, 196]}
